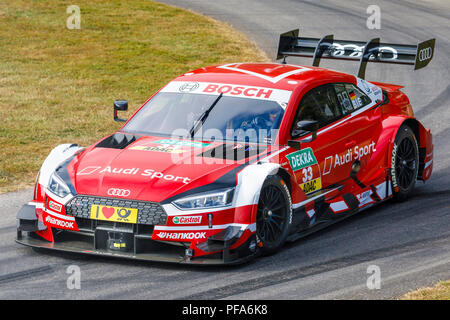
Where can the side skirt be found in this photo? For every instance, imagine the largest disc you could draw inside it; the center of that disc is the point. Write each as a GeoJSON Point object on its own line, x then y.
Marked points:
{"type": "Point", "coordinates": [327, 213]}
{"type": "Point", "coordinates": [324, 224]}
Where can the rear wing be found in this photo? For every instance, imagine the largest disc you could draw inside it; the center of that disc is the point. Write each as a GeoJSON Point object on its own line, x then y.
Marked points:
{"type": "Point", "coordinates": [291, 44]}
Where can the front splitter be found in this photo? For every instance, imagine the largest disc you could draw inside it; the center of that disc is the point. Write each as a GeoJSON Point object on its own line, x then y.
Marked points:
{"type": "Point", "coordinates": [77, 247]}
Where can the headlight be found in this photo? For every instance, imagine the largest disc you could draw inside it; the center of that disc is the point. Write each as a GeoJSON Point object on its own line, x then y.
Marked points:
{"type": "Point", "coordinates": [58, 186]}
{"type": "Point", "coordinates": [206, 201]}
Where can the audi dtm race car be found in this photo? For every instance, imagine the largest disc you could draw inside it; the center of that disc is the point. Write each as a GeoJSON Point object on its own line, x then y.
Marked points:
{"type": "Point", "coordinates": [228, 162]}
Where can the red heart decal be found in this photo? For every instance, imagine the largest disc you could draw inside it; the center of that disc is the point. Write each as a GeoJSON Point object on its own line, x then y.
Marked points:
{"type": "Point", "coordinates": [107, 212]}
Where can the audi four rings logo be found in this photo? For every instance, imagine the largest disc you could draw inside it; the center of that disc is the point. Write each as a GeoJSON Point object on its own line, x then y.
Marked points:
{"type": "Point", "coordinates": [119, 192]}
{"type": "Point", "coordinates": [425, 54]}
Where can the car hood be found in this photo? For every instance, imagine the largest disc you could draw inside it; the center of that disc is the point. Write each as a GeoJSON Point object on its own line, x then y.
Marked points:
{"type": "Point", "coordinates": [156, 169]}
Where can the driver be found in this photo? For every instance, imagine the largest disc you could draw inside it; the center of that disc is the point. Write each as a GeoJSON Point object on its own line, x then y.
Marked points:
{"type": "Point", "coordinates": [252, 126]}
{"type": "Point", "coordinates": [266, 121]}
{"type": "Point", "coordinates": [259, 125]}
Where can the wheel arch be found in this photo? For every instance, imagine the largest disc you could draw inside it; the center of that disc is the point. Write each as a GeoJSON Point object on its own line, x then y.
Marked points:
{"type": "Point", "coordinates": [415, 127]}
{"type": "Point", "coordinates": [393, 124]}
{"type": "Point", "coordinates": [286, 178]}
{"type": "Point", "coordinates": [424, 142]}
{"type": "Point", "coordinates": [251, 180]}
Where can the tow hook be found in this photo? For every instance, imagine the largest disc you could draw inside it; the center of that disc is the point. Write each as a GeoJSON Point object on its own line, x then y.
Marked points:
{"type": "Point", "coordinates": [188, 254]}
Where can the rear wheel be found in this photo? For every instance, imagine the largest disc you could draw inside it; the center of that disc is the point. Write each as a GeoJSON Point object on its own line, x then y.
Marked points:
{"type": "Point", "coordinates": [274, 214]}
{"type": "Point", "coordinates": [405, 163]}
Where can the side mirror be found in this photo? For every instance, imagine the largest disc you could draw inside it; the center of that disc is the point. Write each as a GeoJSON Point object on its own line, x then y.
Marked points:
{"type": "Point", "coordinates": [301, 128]}
{"type": "Point", "coordinates": [305, 126]}
{"type": "Point", "coordinates": [120, 105]}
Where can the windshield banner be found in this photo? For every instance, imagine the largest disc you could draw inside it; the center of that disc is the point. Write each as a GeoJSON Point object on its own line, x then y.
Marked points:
{"type": "Point", "coordinates": [231, 90]}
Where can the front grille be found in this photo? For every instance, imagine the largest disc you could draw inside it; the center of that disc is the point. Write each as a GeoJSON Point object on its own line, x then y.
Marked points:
{"type": "Point", "coordinates": [149, 213]}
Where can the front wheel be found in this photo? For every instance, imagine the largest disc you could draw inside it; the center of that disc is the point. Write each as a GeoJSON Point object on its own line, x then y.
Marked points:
{"type": "Point", "coordinates": [274, 214]}
{"type": "Point", "coordinates": [405, 163]}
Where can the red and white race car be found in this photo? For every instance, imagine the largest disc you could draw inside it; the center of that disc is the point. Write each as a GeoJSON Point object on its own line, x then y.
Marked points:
{"type": "Point", "coordinates": [227, 162]}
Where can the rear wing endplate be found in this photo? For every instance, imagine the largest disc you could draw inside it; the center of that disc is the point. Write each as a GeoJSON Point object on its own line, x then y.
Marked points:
{"type": "Point", "coordinates": [291, 44]}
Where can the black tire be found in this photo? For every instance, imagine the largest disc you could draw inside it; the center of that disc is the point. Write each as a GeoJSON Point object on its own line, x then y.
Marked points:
{"type": "Point", "coordinates": [274, 215]}
{"type": "Point", "coordinates": [404, 163]}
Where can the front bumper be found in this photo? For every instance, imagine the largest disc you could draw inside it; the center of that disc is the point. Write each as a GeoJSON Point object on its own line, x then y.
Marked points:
{"type": "Point", "coordinates": [233, 245]}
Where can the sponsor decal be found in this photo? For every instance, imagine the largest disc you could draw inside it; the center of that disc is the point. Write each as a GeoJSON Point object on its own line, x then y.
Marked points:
{"type": "Point", "coordinates": [182, 143]}
{"type": "Point", "coordinates": [364, 198]}
{"type": "Point", "coordinates": [360, 151]}
{"type": "Point", "coordinates": [59, 223]}
{"type": "Point", "coordinates": [353, 154]}
{"type": "Point", "coordinates": [311, 186]}
{"type": "Point", "coordinates": [393, 175]}
{"type": "Point", "coordinates": [239, 90]}
{"type": "Point", "coordinates": [306, 169]}
{"type": "Point", "coordinates": [189, 86]}
{"type": "Point", "coordinates": [151, 173]}
{"type": "Point", "coordinates": [364, 195]}
{"type": "Point", "coordinates": [233, 90]}
{"type": "Point", "coordinates": [377, 193]}
{"type": "Point", "coordinates": [187, 220]}
{"type": "Point", "coordinates": [116, 214]}
{"type": "Point", "coordinates": [371, 90]}
{"type": "Point", "coordinates": [168, 149]}
{"type": "Point", "coordinates": [54, 206]}
{"type": "Point", "coordinates": [365, 86]}
{"type": "Point", "coordinates": [181, 235]}
{"type": "Point", "coordinates": [301, 159]}
{"type": "Point", "coordinates": [158, 175]}
{"type": "Point", "coordinates": [376, 91]}
{"type": "Point", "coordinates": [118, 192]}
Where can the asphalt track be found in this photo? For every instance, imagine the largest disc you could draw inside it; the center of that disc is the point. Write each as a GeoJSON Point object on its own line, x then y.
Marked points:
{"type": "Point", "coordinates": [409, 242]}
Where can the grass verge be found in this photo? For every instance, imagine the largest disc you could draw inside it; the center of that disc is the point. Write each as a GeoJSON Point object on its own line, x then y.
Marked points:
{"type": "Point", "coordinates": [441, 291]}
{"type": "Point", "coordinates": [57, 85]}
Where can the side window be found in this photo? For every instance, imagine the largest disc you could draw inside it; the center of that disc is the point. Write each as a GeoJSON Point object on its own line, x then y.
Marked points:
{"type": "Point", "coordinates": [319, 104]}
{"type": "Point", "coordinates": [350, 97]}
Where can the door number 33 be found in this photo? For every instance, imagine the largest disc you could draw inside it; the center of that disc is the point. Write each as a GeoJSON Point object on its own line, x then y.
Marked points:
{"type": "Point", "coordinates": [307, 174]}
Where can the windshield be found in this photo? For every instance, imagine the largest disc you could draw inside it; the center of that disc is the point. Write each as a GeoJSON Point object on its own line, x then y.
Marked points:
{"type": "Point", "coordinates": [230, 118]}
